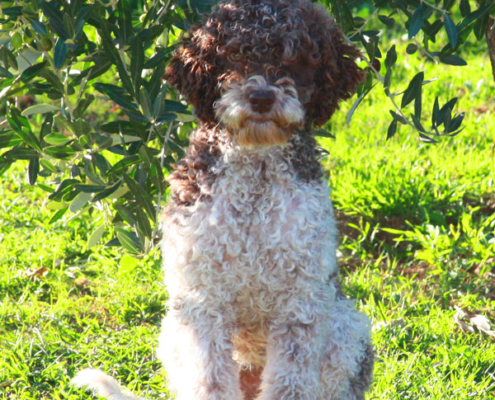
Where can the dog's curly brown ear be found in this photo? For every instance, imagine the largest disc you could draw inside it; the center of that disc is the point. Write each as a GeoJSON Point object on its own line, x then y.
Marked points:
{"type": "Point", "coordinates": [192, 71]}
{"type": "Point", "coordinates": [338, 74]}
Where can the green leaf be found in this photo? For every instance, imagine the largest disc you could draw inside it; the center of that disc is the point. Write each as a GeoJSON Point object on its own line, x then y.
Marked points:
{"type": "Point", "coordinates": [155, 82]}
{"type": "Point", "coordinates": [453, 60]}
{"type": "Point", "coordinates": [8, 58]}
{"type": "Point", "coordinates": [142, 197]}
{"type": "Point", "coordinates": [39, 109]}
{"type": "Point", "coordinates": [455, 123]}
{"type": "Point", "coordinates": [129, 241]}
{"type": "Point", "coordinates": [117, 94]}
{"type": "Point", "coordinates": [124, 32]}
{"type": "Point", "coordinates": [31, 72]}
{"type": "Point", "coordinates": [82, 17]}
{"type": "Point", "coordinates": [323, 133]}
{"type": "Point", "coordinates": [161, 56]}
{"type": "Point", "coordinates": [356, 104]}
{"type": "Point", "coordinates": [417, 123]}
{"type": "Point", "coordinates": [426, 139]}
{"type": "Point", "coordinates": [398, 118]}
{"type": "Point", "coordinates": [60, 55]}
{"type": "Point", "coordinates": [33, 170]}
{"type": "Point", "coordinates": [9, 139]}
{"type": "Point", "coordinates": [62, 188]}
{"type": "Point", "coordinates": [49, 167]}
{"type": "Point", "coordinates": [90, 188]}
{"type": "Point", "coordinates": [53, 80]}
{"type": "Point", "coordinates": [389, 22]}
{"type": "Point", "coordinates": [79, 202]}
{"type": "Point", "coordinates": [137, 61]}
{"type": "Point", "coordinates": [480, 27]}
{"type": "Point", "coordinates": [343, 14]}
{"type": "Point", "coordinates": [159, 102]}
{"type": "Point", "coordinates": [52, 11]}
{"type": "Point", "coordinates": [4, 73]}
{"type": "Point", "coordinates": [22, 127]}
{"type": "Point", "coordinates": [392, 129]}
{"type": "Point", "coordinates": [113, 53]}
{"type": "Point", "coordinates": [119, 139]}
{"type": "Point", "coordinates": [125, 163]}
{"type": "Point", "coordinates": [59, 152]}
{"type": "Point", "coordinates": [434, 115]}
{"type": "Point", "coordinates": [59, 214]}
{"type": "Point", "coordinates": [107, 192]}
{"type": "Point", "coordinates": [117, 127]}
{"type": "Point", "coordinates": [174, 106]}
{"type": "Point", "coordinates": [451, 30]}
{"type": "Point", "coordinates": [143, 223]}
{"type": "Point", "coordinates": [391, 57]}
{"type": "Point", "coordinates": [416, 20]}
{"type": "Point", "coordinates": [15, 11]}
{"type": "Point", "coordinates": [38, 26]}
{"type": "Point", "coordinates": [83, 105]}
{"type": "Point", "coordinates": [413, 89]}
{"type": "Point", "coordinates": [465, 8]}
{"type": "Point", "coordinates": [145, 103]}
{"type": "Point", "coordinates": [57, 139]}
{"type": "Point", "coordinates": [96, 235]}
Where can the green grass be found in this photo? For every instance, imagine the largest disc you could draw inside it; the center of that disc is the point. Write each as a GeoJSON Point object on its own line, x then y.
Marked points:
{"type": "Point", "coordinates": [418, 240]}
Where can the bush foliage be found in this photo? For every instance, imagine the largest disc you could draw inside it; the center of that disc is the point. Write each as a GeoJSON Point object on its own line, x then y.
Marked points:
{"type": "Point", "coordinates": [86, 107]}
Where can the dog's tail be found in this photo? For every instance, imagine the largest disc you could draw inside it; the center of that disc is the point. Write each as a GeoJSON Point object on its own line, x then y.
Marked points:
{"type": "Point", "coordinates": [101, 384]}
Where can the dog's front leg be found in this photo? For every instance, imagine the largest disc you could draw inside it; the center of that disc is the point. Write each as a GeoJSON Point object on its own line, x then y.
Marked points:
{"type": "Point", "coordinates": [196, 350]}
{"type": "Point", "coordinates": [294, 350]}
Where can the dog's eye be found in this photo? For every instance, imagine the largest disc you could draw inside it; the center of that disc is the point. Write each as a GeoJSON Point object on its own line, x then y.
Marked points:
{"type": "Point", "coordinates": [235, 56]}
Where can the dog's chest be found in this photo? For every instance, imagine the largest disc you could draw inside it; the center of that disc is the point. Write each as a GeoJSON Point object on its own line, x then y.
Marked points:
{"type": "Point", "coordinates": [262, 231]}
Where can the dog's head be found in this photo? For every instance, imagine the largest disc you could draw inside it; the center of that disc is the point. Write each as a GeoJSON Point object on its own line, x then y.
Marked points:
{"type": "Point", "coordinates": [262, 68]}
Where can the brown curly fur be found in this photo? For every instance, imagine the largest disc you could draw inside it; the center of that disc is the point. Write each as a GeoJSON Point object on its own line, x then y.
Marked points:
{"type": "Point", "coordinates": [272, 38]}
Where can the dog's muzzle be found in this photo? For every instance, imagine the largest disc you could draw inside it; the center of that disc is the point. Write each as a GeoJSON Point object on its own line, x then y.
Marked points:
{"type": "Point", "coordinates": [259, 114]}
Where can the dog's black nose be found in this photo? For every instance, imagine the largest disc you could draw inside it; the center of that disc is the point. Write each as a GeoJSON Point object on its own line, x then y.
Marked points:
{"type": "Point", "coordinates": [262, 100]}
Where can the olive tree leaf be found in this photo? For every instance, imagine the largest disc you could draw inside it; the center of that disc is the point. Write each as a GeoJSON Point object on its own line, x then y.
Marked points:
{"type": "Point", "coordinates": [416, 20]}
{"type": "Point", "coordinates": [39, 109]}
{"type": "Point", "coordinates": [392, 129]}
{"type": "Point", "coordinates": [413, 89]}
{"type": "Point", "coordinates": [96, 236]}
{"type": "Point", "coordinates": [451, 30]}
{"type": "Point", "coordinates": [129, 241]}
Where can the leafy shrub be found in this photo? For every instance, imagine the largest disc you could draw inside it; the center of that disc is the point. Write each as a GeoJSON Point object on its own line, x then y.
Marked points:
{"type": "Point", "coordinates": [86, 106]}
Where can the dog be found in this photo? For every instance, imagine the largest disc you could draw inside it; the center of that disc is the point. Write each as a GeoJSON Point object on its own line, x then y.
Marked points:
{"type": "Point", "coordinates": [255, 309]}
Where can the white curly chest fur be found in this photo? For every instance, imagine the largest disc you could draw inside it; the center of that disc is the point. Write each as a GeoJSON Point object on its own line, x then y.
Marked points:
{"type": "Point", "coordinates": [264, 232]}
{"type": "Point", "coordinates": [250, 274]}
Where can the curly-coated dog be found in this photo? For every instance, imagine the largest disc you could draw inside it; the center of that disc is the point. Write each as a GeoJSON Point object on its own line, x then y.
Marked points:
{"type": "Point", "coordinates": [256, 310]}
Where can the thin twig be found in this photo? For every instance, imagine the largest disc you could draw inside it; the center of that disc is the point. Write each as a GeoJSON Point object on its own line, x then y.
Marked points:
{"type": "Point", "coordinates": [382, 81]}
{"type": "Point", "coordinates": [420, 46]}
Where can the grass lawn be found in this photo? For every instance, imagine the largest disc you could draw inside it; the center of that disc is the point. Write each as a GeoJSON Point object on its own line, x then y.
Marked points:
{"type": "Point", "coordinates": [418, 254]}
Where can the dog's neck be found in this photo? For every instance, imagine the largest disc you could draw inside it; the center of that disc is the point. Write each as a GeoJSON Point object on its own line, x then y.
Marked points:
{"type": "Point", "coordinates": [299, 153]}
{"type": "Point", "coordinates": [211, 146]}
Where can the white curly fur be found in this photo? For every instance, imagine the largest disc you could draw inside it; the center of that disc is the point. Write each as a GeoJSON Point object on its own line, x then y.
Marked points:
{"type": "Point", "coordinates": [248, 278]}
{"type": "Point", "coordinates": [251, 271]}
{"type": "Point", "coordinates": [101, 384]}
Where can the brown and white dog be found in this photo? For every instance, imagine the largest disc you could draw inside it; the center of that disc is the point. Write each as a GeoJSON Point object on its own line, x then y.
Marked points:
{"type": "Point", "coordinates": [249, 240]}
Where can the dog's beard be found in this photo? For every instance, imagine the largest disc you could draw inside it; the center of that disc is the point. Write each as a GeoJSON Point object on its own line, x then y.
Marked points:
{"type": "Point", "coordinates": [264, 133]}
{"type": "Point", "coordinates": [251, 129]}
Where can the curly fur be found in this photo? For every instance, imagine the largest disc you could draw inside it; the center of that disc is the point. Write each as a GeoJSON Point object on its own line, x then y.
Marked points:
{"type": "Point", "coordinates": [256, 310]}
